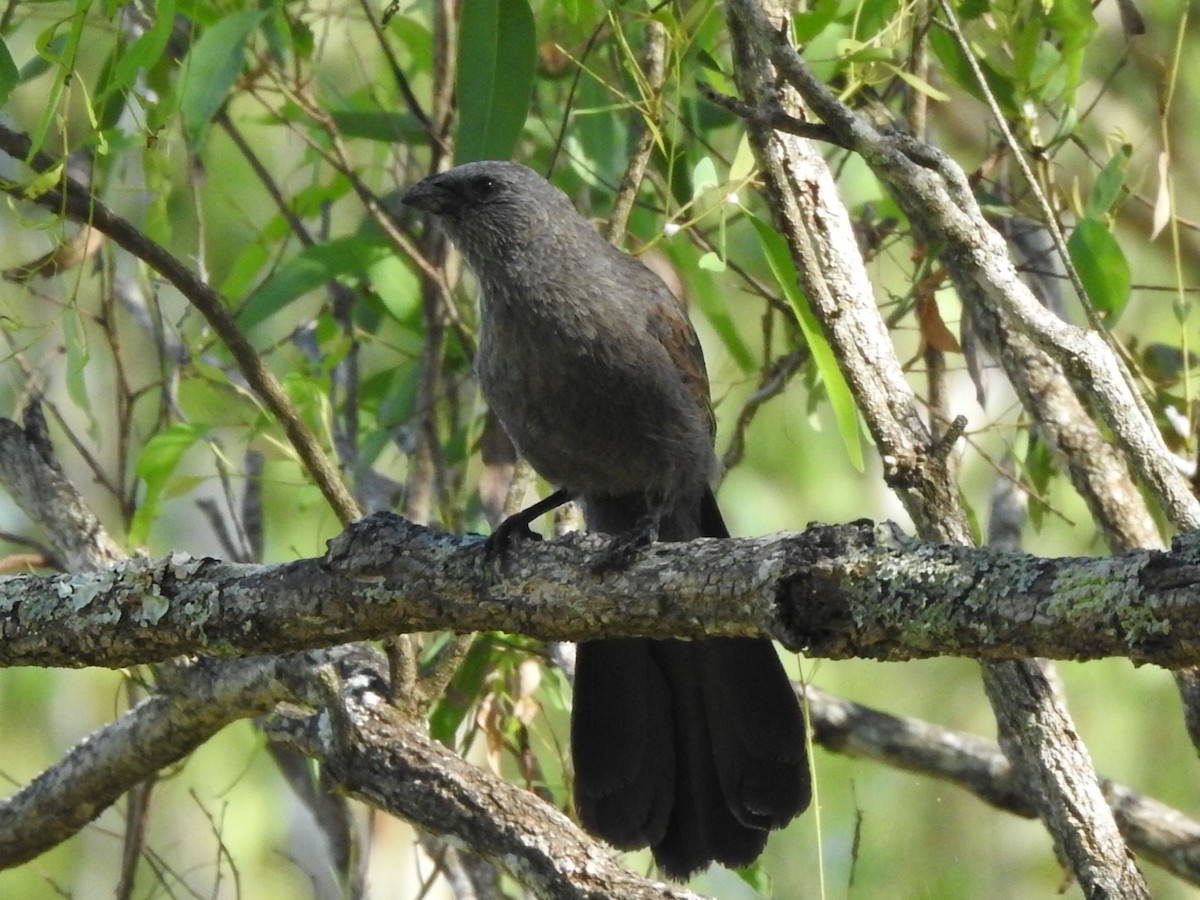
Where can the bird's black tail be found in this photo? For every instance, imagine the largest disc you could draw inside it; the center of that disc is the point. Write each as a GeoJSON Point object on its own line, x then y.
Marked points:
{"type": "Point", "coordinates": [695, 748]}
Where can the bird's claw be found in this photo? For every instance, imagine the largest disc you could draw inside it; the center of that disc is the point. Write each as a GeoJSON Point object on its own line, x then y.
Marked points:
{"type": "Point", "coordinates": [625, 546]}
{"type": "Point", "coordinates": [514, 529]}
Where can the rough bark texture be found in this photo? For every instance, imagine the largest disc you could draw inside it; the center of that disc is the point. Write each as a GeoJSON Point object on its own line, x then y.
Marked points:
{"type": "Point", "coordinates": [835, 591]}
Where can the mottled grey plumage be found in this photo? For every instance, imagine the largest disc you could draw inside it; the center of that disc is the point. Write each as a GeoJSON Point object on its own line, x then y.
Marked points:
{"type": "Point", "coordinates": [590, 363]}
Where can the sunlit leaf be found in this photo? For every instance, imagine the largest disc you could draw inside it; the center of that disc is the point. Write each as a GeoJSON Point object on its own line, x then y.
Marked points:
{"type": "Point", "coordinates": [396, 285]}
{"type": "Point", "coordinates": [704, 176]}
{"type": "Point", "coordinates": [922, 86]}
{"type": "Point", "coordinates": [155, 466]}
{"type": "Point", "coordinates": [43, 181]}
{"type": "Point", "coordinates": [845, 412]}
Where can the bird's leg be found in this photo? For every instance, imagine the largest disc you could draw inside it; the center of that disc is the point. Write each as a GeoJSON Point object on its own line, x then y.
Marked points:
{"type": "Point", "coordinates": [516, 526]}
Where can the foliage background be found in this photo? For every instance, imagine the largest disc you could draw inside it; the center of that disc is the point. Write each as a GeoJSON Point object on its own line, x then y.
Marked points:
{"type": "Point", "coordinates": [156, 116]}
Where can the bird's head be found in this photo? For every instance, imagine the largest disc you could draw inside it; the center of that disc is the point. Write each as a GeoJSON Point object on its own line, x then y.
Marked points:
{"type": "Point", "coordinates": [491, 208]}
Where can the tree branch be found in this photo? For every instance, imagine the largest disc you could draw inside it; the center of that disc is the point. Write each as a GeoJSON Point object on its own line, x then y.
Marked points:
{"type": "Point", "coordinates": [161, 730]}
{"type": "Point", "coordinates": [934, 193]}
{"type": "Point", "coordinates": [368, 748]}
{"type": "Point", "coordinates": [857, 590]}
{"type": "Point", "coordinates": [35, 481]}
{"type": "Point", "coordinates": [809, 214]}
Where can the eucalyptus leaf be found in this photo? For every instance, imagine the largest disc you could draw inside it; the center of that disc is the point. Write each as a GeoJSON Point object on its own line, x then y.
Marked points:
{"type": "Point", "coordinates": [497, 51]}
{"type": "Point", "coordinates": [779, 259]}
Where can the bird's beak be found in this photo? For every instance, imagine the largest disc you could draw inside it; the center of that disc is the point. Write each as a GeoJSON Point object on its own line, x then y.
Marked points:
{"type": "Point", "coordinates": [429, 195]}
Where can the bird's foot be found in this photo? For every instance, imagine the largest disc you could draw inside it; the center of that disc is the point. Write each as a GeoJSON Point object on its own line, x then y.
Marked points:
{"type": "Point", "coordinates": [625, 546]}
{"type": "Point", "coordinates": [514, 529]}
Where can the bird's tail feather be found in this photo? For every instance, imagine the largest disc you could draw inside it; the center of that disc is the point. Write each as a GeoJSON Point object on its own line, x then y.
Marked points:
{"type": "Point", "coordinates": [693, 747]}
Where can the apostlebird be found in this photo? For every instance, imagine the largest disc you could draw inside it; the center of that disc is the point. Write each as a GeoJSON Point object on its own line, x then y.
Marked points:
{"type": "Point", "coordinates": [694, 748]}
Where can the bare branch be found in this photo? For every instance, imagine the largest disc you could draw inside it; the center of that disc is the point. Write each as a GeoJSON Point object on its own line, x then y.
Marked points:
{"type": "Point", "coordinates": [35, 481]}
{"type": "Point", "coordinates": [855, 590]}
{"type": "Point", "coordinates": [378, 757]}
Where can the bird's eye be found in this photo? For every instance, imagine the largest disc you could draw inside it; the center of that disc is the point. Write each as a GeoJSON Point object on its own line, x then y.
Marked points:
{"type": "Point", "coordinates": [485, 187]}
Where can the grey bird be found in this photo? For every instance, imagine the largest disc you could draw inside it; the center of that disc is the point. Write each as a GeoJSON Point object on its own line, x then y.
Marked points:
{"type": "Point", "coordinates": [693, 748]}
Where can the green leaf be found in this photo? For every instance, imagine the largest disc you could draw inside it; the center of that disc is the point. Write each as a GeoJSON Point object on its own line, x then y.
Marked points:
{"type": "Point", "coordinates": [497, 51]}
{"type": "Point", "coordinates": [779, 258]}
{"type": "Point", "coordinates": [61, 50]}
{"type": "Point", "coordinates": [743, 163]}
{"type": "Point", "coordinates": [921, 85]}
{"type": "Point", "coordinates": [142, 54]}
{"type": "Point", "coordinates": [1039, 468]}
{"type": "Point", "coordinates": [210, 69]}
{"type": "Point", "coordinates": [1108, 184]}
{"type": "Point", "coordinates": [78, 357]}
{"type": "Point", "coordinates": [601, 135]}
{"type": "Point", "coordinates": [397, 286]}
{"type": "Point", "coordinates": [157, 462]}
{"type": "Point", "coordinates": [874, 17]}
{"type": "Point", "coordinates": [1076, 24]}
{"type": "Point", "coordinates": [1102, 267]}
{"type": "Point", "coordinates": [1074, 20]}
{"type": "Point", "coordinates": [41, 62]}
{"type": "Point", "coordinates": [378, 125]}
{"type": "Point", "coordinates": [9, 76]}
{"type": "Point", "coordinates": [467, 685]}
{"type": "Point", "coordinates": [850, 50]}
{"type": "Point", "coordinates": [1166, 363]}
{"type": "Point", "coordinates": [308, 270]}
{"type": "Point", "coordinates": [807, 25]}
{"type": "Point", "coordinates": [704, 176]}
{"type": "Point", "coordinates": [959, 70]}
